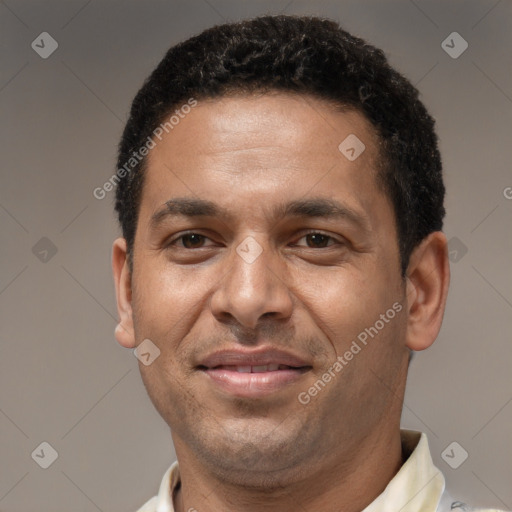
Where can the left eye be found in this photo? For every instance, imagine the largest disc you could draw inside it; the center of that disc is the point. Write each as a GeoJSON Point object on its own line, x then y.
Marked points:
{"type": "Point", "coordinates": [319, 239]}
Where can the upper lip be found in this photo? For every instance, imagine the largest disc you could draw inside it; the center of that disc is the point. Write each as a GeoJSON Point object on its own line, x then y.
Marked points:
{"type": "Point", "coordinates": [259, 357]}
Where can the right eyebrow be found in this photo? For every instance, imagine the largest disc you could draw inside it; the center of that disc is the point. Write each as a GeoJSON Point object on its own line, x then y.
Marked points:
{"type": "Point", "coordinates": [187, 207]}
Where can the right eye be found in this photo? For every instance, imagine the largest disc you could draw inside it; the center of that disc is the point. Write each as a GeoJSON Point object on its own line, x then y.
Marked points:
{"type": "Point", "coordinates": [189, 240]}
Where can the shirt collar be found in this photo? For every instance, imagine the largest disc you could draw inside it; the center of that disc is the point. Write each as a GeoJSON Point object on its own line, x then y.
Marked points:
{"type": "Point", "coordinates": [417, 487]}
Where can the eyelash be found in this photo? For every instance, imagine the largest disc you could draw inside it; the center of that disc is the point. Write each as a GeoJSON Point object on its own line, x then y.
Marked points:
{"type": "Point", "coordinates": [172, 243]}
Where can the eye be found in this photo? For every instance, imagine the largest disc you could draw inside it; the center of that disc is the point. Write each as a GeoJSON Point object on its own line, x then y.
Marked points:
{"type": "Point", "coordinates": [189, 241]}
{"type": "Point", "coordinates": [318, 239]}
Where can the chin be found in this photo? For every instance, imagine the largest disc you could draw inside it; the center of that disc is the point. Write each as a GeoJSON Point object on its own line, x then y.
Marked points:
{"type": "Point", "coordinates": [256, 453]}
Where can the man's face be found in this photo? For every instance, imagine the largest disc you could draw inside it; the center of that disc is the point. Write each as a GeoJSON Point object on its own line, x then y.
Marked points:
{"type": "Point", "coordinates": [257, 286]}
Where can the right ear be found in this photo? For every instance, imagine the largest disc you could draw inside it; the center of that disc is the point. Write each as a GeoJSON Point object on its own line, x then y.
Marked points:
{"type": "Point", "coordinates": [124, 331]}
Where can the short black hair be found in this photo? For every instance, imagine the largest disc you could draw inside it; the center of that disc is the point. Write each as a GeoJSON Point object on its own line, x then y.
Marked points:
{"type": "Point", "coordinates": [305, 55]}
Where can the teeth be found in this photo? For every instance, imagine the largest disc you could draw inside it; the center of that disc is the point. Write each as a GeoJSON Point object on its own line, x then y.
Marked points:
{"type": "Point", "coordinates": [258, 369]}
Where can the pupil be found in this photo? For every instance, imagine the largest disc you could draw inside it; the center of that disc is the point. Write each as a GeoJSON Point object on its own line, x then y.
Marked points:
{"type": "Point", "coordinates": [189, 237]}
{"type": "Point", "coordinates": [315, 237]}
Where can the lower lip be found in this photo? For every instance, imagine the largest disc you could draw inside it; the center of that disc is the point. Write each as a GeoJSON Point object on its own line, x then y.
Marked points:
{"type": "Point", "coordinates": [253, 385]}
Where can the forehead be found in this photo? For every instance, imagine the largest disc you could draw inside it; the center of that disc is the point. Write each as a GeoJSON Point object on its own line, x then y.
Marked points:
{"type": "Point", "coordinates": [273, 121]}
{"type": "Point", "coordinates": [261, 148]}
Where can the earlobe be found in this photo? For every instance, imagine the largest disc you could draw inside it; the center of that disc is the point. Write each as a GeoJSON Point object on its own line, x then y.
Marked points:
{"type": "Point", "coordinates": [428, 279]}
{"type": "Point", "coordinates": [124, 331]}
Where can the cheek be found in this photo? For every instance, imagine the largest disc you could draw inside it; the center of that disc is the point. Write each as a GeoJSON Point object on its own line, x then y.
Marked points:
{"type": "Point", "coordinates": [167, 305]}
{"type": "Point", "coordinates": [346, 304]}
{"type": "Point", "coordinates": [365, 323]}
{"type": "Point", "coordinates": [165, 300]}
{"type": "Point", "coordinates": [164, 308]}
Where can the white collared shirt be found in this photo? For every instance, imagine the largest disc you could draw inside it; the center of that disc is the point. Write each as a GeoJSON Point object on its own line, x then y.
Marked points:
{"type": "Point", "coordinates": [417, 487]}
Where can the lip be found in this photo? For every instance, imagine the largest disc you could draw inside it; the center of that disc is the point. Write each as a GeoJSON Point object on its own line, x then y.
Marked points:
{"type": "Point", "coordinates": [253, 357]}
{"type": "Point", "coordinates": [221, 369]}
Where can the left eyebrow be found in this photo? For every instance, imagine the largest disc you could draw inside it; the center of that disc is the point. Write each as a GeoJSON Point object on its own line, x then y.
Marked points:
{"type": "Point", "coordinates": [308, 208]}
{"type": "Point", "coordinates": [321, 208]}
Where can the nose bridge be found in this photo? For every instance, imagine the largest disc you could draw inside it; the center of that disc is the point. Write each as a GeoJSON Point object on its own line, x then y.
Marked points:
{"type": "Point", "coordinates": [253, 285]}
{"type": "Point", "coordinates": [252, 266]}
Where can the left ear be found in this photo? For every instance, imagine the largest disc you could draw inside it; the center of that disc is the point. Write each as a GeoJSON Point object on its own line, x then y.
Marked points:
{"type": "Point", "coordinates": [428, 279]}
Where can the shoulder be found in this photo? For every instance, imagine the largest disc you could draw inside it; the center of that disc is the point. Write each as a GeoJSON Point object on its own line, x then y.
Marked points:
{"type": "Point", "coordinates": [162, 502]}
{"type": "Point", "coordinates": [149, 506]}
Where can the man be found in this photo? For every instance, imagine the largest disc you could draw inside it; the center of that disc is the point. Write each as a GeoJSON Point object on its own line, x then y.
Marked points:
{"type": "Point", "coordinates": [281, 200]}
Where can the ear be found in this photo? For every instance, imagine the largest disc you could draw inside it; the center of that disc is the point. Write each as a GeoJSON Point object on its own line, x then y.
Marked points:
{"type": "Point", "coordinates": [124, 331]}
{"type": "Point", "coordinates": [428, 279]}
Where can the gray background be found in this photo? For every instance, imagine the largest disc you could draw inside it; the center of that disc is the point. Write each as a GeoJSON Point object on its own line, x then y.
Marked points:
{"type": "Point", "coordinates": [64, 379]}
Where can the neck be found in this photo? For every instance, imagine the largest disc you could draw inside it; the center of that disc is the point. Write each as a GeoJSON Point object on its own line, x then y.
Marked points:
{"type": "Point", "coordinates": [347, 485]}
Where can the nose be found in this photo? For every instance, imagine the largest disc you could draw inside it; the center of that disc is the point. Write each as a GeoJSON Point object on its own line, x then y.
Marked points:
{"type": "Point", "coordinates": [254, 286]}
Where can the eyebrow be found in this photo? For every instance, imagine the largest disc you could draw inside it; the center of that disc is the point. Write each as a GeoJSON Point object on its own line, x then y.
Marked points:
{"type": "Point", "coordinates": [308, 208]}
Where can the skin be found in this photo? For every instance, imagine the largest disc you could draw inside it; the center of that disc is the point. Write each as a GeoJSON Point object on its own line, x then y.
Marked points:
{"type": "Point", "coordinates": [309, 295]}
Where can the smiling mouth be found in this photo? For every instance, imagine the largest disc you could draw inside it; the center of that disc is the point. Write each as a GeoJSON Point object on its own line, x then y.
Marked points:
{"type": "Point", "coordinates": [258, 381]}
{"type": "Point", "coordinates": [256, 368]}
